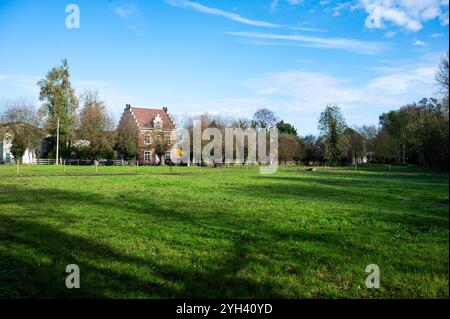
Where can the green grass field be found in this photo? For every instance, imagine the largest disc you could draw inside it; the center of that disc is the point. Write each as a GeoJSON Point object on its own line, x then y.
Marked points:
{"type": "Point", "coordinates": [226, 232]}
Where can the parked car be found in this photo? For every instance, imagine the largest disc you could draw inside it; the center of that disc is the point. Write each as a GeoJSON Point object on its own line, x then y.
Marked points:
{"type": "Point", "coordinates": [105, 162]}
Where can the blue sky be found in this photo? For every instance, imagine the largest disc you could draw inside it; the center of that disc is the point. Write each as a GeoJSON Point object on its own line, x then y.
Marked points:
{"type": "Point", "coordinates": [231, 57]}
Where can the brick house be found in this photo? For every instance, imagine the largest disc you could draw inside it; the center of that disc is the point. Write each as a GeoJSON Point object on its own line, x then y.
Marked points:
{"type": "Point", "coordinates": [153, 125]}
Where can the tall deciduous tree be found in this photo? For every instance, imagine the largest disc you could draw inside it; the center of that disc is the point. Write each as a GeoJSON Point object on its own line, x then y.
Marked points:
{"type": "Point", "coordinates": [95, 125]}
{"type": "Point", "coordinates": [59, 102]}
{"type": "Point", "coordinates": [289, 148]}
{"type": "Point", "coordinates": [127, 137]}
{"type": "Point", "coordinates": [332, 126]}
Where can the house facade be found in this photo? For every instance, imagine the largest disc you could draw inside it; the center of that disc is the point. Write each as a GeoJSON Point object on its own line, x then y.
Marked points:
{"type": "Point", "coordinates": [155, 126]}
{"type": "Point", "coordinates": [6, 156]}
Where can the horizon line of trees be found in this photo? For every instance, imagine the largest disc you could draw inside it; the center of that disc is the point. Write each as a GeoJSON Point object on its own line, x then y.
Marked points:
{"type": "Point", "coordinates": [415, 133]}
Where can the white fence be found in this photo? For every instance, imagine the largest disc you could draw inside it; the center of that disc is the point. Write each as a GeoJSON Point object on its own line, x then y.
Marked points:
{"type": "Point", "coordinates": [45, 162]}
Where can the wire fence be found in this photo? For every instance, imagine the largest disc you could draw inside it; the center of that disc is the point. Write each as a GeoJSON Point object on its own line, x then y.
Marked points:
{"type": "Point", "coordinates": [75, 167]}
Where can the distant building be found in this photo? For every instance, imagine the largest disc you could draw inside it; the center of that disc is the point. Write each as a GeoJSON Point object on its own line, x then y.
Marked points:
{"type": "Point", "coordinates": [154, 125]}
{"type": "Point", "coordinates": [6, 156]}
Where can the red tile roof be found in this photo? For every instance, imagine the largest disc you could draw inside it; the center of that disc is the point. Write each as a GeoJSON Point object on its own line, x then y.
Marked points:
{"type": "Point", "coordinates": [146, 116]}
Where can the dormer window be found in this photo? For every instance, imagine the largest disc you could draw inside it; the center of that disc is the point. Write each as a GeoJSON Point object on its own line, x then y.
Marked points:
{"type": "Point", "coordinates": [158, 123]}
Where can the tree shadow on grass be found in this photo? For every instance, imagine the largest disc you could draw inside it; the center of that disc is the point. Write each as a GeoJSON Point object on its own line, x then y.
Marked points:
{"type": "Point", "coordinates": [35, 253]}
{"type": "Point", "coordinates": [33, 262]}
{"type": "Point", "coordinates": [256, 263]}
{"type": "Point", "coordinates": [391, 207]}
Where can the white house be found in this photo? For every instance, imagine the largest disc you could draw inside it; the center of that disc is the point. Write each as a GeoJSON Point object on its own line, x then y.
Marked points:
{"type": "Point", "coordinates": [6, 157]}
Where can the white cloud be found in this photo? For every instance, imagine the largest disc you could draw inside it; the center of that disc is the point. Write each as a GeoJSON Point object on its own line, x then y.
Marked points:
{"type": "Point", "coordinates": [273, 5]}
{"type": "Point", "coordinates": [350, 5]}
{"type": "Point", "coordinates": [299, 96]}
{"type": "Point", "coordinates": [351, 45]}
{"type": "Point", "coordinates": [436, 35]}
{"type": "Point", "coordinates": [390, 34]}
{"type": "Point", "coordinates": [299, 28]}
{"type": "Point", "coordinates": [406, 14]}
{"type": "Point", "coordinates": [311, 91]}
{"type": "Point", "coordinates": [405, 83]}
{"type": "Point", "coordinates": [218, 12]}
{"type": "Point", "coordinates": [129, 12]}
{"type": "Point", "coordinates": [21, 83]}
{"type": "Point", "coordinates": [124, 12]}
{"type": "Point", "coordinates": [419, 43]}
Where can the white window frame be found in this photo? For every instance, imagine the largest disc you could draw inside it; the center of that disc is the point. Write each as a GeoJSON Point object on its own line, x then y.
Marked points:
{"type": "Point", "coordinates": [147, 156]}
{"type": "Point", "coordinates": [147, 140]}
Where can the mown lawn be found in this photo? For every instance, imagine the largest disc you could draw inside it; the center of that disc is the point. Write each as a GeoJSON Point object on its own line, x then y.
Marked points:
{"type": "Point", "coordinates": [226, 232]}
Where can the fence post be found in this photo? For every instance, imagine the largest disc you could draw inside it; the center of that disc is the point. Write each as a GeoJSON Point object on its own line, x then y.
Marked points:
{"type": "Point", "coordinates": [96, 167]}
{"type": "Point", "coordinates": [64, 167]}
{"type": "Point", "coordinates": [17, 168]}
{"type": "Point", "coordinates": [137, 165]}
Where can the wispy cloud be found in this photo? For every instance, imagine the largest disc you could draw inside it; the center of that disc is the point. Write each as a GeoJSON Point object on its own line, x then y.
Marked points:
{"type": "Point", "coordinates": [307, 29]}
{"type": "Point", "coordinates": [21, 82]}
{"type": "Point", "coordinates": [419, 43]}
{"type": "Point", "coordinates": [352, 45]}
{"type": "Point", "coordinates": [274, 5]}
{"type": "Point", "coordinates": [130, 13]}
{"type": "Point", "coordinates": [295, 92]}
{"type": "Point", "coordinates": [124, 12]}
{"type": "Point", "coordinates": [240, 19]}
{"type": "Point", "coordinates": [349, 5]}
{"type": "Point", "coordinates": [218, 12]}
{"type": "Point", "coordinates": [436, 35]}
{"type": "Point", "coordinates": [390, 34]}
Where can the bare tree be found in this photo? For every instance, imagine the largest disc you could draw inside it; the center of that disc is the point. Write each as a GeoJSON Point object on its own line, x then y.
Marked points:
{"type": "Point", "coordinates": [21, 125]}
{"type": "Point", "coordinates": [442, 76]}
{"type": "Point", "coordinates": [265, 118]}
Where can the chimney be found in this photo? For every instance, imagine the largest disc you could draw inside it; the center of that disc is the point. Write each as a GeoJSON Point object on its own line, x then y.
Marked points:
{"type": "Point", "coordinates": [165, 109]}
{"type": "Point", "coordinates": [128, 106]}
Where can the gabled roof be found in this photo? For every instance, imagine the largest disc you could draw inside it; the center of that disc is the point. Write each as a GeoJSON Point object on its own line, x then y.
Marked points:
{"type": "Point", "coordinates": [145, 117]}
